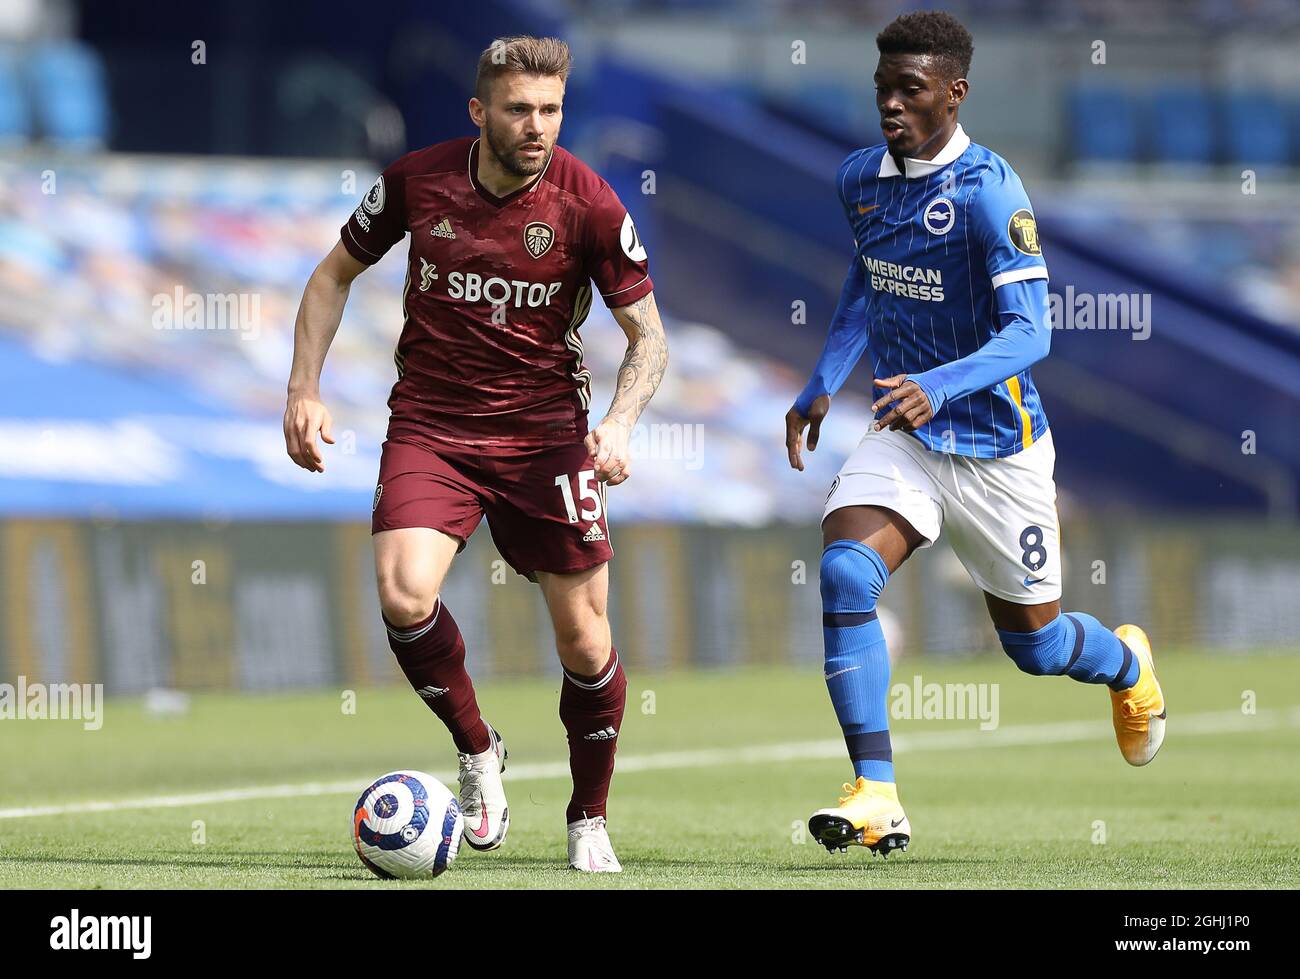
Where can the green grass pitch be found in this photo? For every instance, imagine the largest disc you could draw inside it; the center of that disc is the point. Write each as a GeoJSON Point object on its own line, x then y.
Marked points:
{"type": "Point", "coordinates": [717, 782]}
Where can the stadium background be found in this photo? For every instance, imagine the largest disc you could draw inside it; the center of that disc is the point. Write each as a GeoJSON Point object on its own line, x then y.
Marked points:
{"type": "Point", "coordinates": [155, 535]}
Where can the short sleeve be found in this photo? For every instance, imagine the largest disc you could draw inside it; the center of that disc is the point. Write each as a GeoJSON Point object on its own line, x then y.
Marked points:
{"type": "Point", "coordinates": [1004, 224]}
{"type": "Point", "coordinates": [616, 256]}
{"type": "Point", "coordinates": [379, 222]}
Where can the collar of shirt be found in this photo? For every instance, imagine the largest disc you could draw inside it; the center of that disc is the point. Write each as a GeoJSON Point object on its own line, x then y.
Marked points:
{"type": "Point", "coordinates": [954, 148]}
{"type": "Point", "coordinates": [514, 195]}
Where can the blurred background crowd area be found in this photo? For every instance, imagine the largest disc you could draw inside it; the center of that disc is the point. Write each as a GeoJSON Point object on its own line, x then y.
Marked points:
{"type": "Point", "coordinates": [170, 175]}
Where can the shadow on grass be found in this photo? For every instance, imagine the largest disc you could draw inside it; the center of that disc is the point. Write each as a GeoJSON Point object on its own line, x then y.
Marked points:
{"type": "Point", "coordinates": [338, 867]}
{"type": "Point", "coordinates": [178, 861]}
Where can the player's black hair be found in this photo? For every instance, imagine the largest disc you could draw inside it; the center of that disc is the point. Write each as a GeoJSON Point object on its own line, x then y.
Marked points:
{"type": "Point", "coordinates": [930, 32]}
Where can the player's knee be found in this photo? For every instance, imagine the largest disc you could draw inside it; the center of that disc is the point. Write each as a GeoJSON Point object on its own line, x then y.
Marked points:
{"type": "Point", "coordinates": [583, 647]}
{"type": "Point", "coordinates": [852, 577]}
{"type": "Point", "coordinates": [405, 603]}
{"type": "Point", "coordinates": [1045, 652]}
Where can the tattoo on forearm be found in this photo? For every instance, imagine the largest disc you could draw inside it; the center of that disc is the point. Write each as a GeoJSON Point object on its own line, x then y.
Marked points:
{"type": "Point", "coordinates": [643, 366]}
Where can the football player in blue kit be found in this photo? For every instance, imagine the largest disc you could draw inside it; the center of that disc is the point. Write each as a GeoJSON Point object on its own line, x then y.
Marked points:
{"type": "Point", "coordinates": [947, 294]}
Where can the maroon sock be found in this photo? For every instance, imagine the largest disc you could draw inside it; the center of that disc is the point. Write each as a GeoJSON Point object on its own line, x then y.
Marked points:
{"type": "Point", "coordinates": [591, 708]}
{"type": "Point", "coordinates": [432, 655]}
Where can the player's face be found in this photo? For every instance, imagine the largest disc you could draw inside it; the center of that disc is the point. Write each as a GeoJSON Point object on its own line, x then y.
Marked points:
{"type": "Point", "coordinates": [521, 121]}
{"type": "Point", "coordinates": [915, 102]}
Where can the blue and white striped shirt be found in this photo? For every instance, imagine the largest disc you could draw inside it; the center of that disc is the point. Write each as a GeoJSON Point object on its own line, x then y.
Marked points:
{"type": "Point", "coordinates": [947, 263]}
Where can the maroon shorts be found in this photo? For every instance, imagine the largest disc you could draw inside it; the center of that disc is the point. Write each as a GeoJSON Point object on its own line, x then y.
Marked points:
{"type": "Point", "coordinates": [545, 507]}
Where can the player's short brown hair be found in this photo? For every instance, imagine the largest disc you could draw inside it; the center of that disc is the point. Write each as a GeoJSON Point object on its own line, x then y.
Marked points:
{"type": "Point", "coordinates": [524, 55]}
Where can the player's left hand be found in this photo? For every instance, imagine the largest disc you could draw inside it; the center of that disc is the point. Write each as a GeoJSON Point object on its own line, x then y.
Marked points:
{"type": "Point", "coordinates": [608, 445]}
{"type": "Point", "coordinates": [911, 408]}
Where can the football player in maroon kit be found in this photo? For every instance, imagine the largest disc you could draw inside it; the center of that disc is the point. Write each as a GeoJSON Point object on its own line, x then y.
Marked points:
{"type": "Point", "coordinates": [489, 412]}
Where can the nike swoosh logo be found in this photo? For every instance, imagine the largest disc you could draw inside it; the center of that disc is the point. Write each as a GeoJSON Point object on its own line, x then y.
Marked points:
{"type": "Point", "coordinates": [1033, 581]}
{"type": "Point", "coordinates": [895, 823]}
{"type": "Point", "coordinates": [867, 210]}
{"type": "Point", "coordinates": [483, 824]}
{"type": "Point", "coordinates": [847, 669]}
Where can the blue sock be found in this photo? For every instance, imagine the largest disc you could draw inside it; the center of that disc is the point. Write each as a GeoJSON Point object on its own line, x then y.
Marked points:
{"type": "Point", "coordinates": [1077, 645]}
{"type": "Point", "coordinates": [857, 662]}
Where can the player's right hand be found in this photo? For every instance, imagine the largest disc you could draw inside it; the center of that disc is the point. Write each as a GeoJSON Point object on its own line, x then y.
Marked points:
{"type": "Point", "coordinates": [794, 426]}
{"type": "Point", "coordinates": [303, 418]}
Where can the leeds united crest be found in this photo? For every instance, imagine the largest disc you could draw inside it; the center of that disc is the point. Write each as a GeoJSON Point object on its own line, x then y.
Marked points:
{"type": "Point", "coordinates": [538, 238]}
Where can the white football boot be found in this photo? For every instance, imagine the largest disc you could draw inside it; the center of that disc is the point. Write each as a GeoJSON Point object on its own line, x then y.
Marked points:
{"type": "Point", "coordinates": [482, 797]}
{"type": "Point", "coordinates": [589, 848]}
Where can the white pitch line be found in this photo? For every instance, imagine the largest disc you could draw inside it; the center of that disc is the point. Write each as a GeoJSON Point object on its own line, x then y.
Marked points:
{"type": "Point", "coordinates": [1060, 732]}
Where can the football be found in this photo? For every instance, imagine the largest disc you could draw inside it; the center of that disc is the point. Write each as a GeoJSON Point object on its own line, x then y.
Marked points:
{"type": "Point", "coordinates": [407, 825]}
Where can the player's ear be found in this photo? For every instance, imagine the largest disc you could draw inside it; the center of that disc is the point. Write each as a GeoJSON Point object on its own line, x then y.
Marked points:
{"type": "Point", "coordinates": [957, 91]}
{"type": "Point", "coordinates": [477, 112]}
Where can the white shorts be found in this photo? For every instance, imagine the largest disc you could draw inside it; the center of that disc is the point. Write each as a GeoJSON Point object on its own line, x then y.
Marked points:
{"type": "Point", "coordinates": [1000, 513]}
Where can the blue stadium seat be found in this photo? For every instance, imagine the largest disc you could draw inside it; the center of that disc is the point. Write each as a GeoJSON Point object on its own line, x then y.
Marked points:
{"type": "Point", "coordinates": [15, 121]}
{"type": "Point", "coordinates": [1103, 125]}
{"type": "Point", "coordinates": [1182, 125]}
{"type": "Point", "coordinates": [1256, 126]}
{"type": "Point", "coordinates": [67, 84]}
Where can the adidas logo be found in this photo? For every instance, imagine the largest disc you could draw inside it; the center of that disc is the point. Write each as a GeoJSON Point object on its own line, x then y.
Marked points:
{"type": "Point", "coordinates": [442, 229]}
{"type": "Point", "coordinates": [594, 534]}
{"type": "Point", "coordinates": [607, 734]}
{"type": "Point", "coordinates": [432, 693]}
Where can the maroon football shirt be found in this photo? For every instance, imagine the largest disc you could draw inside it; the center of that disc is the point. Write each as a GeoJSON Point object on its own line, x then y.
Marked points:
{"type": "Point", "coordinates": [496, 289]}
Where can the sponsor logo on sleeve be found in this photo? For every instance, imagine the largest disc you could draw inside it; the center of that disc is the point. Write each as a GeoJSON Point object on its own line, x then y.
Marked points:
{"type": "Point", "coordinates": [538, 238]}
{"type": "Point", "coordinates": [379, 491]}
{"type": "Point", "coordinates": [1022, 229]}
{"type": "Point", "coordinates": [631, 241]}
{"type": "Point", "coordinates": [374, 202]}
